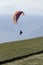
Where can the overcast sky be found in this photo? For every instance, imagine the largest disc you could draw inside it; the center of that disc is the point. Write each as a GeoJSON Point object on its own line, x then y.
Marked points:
{"type": "Point", "coordinates": [32, 7]}
{"type": "Point", "coordinates": [32, 26]}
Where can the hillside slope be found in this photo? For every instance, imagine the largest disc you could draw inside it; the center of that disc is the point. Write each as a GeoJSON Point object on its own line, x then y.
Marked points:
{"type": "Point", "coordinates": [11, 50]}
{"type": "Point", "coordinates": [33, 60]}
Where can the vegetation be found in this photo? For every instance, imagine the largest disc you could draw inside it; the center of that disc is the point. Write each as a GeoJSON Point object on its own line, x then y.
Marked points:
{"type": "Point", "coordinates": [11, 50]}
{"type": "Point", "coordinates": [33, 60]}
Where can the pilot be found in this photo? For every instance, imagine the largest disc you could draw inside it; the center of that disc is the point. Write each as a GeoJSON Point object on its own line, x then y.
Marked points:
{"type": "Point", "coordinates": [20, 32]}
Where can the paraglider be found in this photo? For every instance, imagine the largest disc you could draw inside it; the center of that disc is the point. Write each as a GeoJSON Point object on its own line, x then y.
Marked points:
{"type": "Point", "coordinates": [16, 16]}
{"type": "Point", "coordinates": [20, 32]}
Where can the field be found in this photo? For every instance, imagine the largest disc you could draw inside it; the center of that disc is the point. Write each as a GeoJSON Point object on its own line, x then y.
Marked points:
{"type": "Point", "coordinates": [33, 60]}
{"type": "Point", "coordinates": [12, 50]}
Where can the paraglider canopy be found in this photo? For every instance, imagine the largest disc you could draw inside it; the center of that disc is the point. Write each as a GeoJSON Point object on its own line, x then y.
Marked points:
{"type": "Point", "coordinates": [16, 16]}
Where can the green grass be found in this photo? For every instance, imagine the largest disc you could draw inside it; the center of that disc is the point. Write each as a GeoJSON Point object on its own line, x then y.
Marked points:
{"type": "Point", "coordinates": [13, 49]}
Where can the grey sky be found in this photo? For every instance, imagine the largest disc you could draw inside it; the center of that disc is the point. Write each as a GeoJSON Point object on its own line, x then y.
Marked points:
{"type": "Point", "coordinates": [31, 7]}
{"type": "Point", "coordinates": [31, 24]}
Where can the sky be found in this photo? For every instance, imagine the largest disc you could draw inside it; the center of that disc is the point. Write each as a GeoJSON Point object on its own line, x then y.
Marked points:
{"type": "Point", "coordinates": [31, 24]}
{"type": "Point", "coordinates": [32, 7]}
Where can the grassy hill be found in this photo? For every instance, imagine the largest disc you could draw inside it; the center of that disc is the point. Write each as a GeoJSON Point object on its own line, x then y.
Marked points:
{"type": "Point", "coordinates": [11, 50]}
{"type": "Point", "coordinates": [33, 60]}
